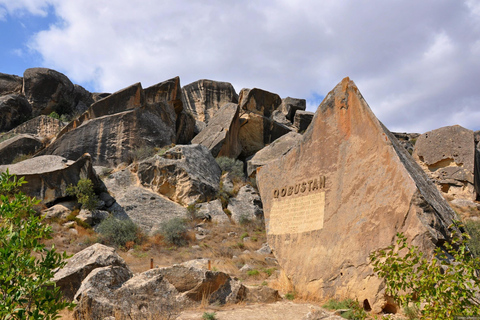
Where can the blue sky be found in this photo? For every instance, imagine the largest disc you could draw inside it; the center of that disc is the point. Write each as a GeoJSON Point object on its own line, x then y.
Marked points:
{"type": "Point", "coordinates": [416, 62]}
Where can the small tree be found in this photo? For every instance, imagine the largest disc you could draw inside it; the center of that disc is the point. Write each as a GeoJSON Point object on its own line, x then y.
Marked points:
{"type": "Point", "coordinates": [26, 265]}
{"type": "Point", "coordinates": [445, 287]}
{"type": "Point", "coordinates": [84, 193]}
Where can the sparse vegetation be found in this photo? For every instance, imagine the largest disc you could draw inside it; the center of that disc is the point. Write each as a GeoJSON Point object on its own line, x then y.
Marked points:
{"type": "Point", "coordinates": [209, 316]}
{"type": "Point", "coordinates": [244, 219]}
{"type": "Point", "coordinates": [233, 166]}
{"type": "Point", "coordinates": [253, 272]}
{"type": "Point", "coordinates": [352, 308]}
{"type": "Point", "coordinates": [290, 295]}
{"type": "Point", "coordinates": [27, 265]}
{"type": "Point", "coordinates": [473, 228]}
{"type": "Point", "coordinates": [174, 231]}
{"type": "Point", "coordinates": [141, 153]}
{"type": "Point", "coordinates": [21, 157]}
{"type": "Point", "coordinates": [118, 232]}
{"type": "Point", "coordinates": [443, 288]}
{"type": "Point", "coordinates": [84, 193]}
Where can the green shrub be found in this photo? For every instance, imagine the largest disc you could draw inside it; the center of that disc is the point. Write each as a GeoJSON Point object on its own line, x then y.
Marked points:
{"type": "Point", "coordinates": [253, 272]}
{"type": "Point", "coordinates": [244, 235]}
{"type": "Point", "coordinates": [209, 316]}
{"type": "Point", "coordinates": [54, 115]}
{"type": "Point", "coordinates": [244, 219]}
{"type": "Point", "coordinates": [84, 193]}
{"type": "Point", "coordinates": [352, 307]}
{"type": "Point", "coordinates": [290, 295]}
{"type": "Point", "coordinates": [233, 166]}
{"type": "Point", "coordinates": [26, 287]}
{"type": "Point", "coordinates": [473, 228]}
{"type": "Point", "coordinates": [174, 231]}
{"type": "Point", "coordinates": [118, 231]}
{"type": "Point", "coordinates": [443, 288]}
{"type": "Point", "coordinates": [269, 271]}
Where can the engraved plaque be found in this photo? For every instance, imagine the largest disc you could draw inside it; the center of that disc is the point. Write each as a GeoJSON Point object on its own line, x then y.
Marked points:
{"type": "Point", "coordinates": [297, 215]}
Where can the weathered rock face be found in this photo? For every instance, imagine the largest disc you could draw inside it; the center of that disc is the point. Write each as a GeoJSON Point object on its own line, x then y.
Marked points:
{"type": "Point", "coordinates": [302, 120]}
{"type": "Point", "coordinates": [14, 109]}
{"type": "Point", "coordinates": [184, 174]}
{"type": "Point", "coordinates": [290, 106]}
{"type": "Point", "coordinates": [447, 155]}
{"type": "Point", "coordinates": [47, 91]}
{"type": "Point", "coordinates": [10, 84]}
{"type": "Point", "coordinates": [257, 127]}
{"type": "Point", "coordinates": [168, 91]}
{"type": "Point", "coordinates": [78, 267]}
{"type": "Point", "coordinates": [214, 210]}
{"type": "Point", "coordinates": [164, 291]}
{"type": "Point", "coordinates": [185, 127]}
{"type": "Point", "coordinates": [221, 134]}
{"type": "Point", "coordinates": [204, 97]}
{"type": "Point", "coordinates": [272, 152]}
{"type": "Point", "coordinates": [246, 206]}
{"type": "Point", "coordinates": [407, 140]}
{"type": "Point", "coordinates": [342, 193]}
{"type": "Point", "coordinates": [146, 208]}
{"type": "Point", "coordinates": [42, 127]}
{"type": "Point", "coordinates": [49, 176]}
{"type": "Point", "coordinates": [22, 144]}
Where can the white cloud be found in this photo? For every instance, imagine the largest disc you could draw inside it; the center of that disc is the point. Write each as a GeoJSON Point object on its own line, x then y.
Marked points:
{"type": "Point", "coordinates": [415, 62]}
{"type": "Point", "coordinates": [35, 7]}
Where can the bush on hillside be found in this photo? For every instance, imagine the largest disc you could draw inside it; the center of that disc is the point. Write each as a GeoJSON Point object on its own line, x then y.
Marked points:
{"type": "Point", "coordinates": [233, 166]}
{"type": "Point", "coordinates": [118, 232]}
{"type": "Point", "coordinates": [174, 231]}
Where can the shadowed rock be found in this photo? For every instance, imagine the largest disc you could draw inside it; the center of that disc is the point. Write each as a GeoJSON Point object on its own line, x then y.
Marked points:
{"type": "Point", "coordinates": [14, 110]}
{"type": "Point", "coordinates": [19, 145]}
{"type": "Point", "coordinates": [168, 91]}
{"type": "Point", "coordinates": [221, 134]}
{"type": "Point", "coordinates": [10, 84]}
{"type": "Point", "coordinates": [204, 97]}
{"type": "Point", "coordinates": [302, 120]}
{"type": "Point", "coordinates": [290, 106]}
{"type": "Point", "coordinates": [343, 192]}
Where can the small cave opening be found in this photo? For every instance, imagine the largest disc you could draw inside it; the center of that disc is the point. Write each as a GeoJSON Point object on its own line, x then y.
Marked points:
{"type": "Point", "coordinates": [390, 308]}
{"type": "Point", "coordinates": [366, 305]}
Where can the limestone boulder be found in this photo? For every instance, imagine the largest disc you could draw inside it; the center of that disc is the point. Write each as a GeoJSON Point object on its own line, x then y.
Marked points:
{"type": "Point", "coordinates": [447, 155]}
{"type": "Point", "coordinates": [10, 84]}
{"type": "Point", "coordinates": [169, 92]}
{"type": "Point", "coordinates": [203, 98]}
{"type": "Point", "coordinates": [60, 210]}
{"type": "Point", "coordinates": [164, 291]}
{"type": "Point", "coordinates": [302, 120]}
{"type": "Point", "coordinates": [221, 134]}
{"type": "Point", "coordinates": [42, 127]}
{"type": "Point", "coordinates": [290, 106]}
{"type": "Point", "coordinates": [261, 294]}
{"type": "Point", "coordinates": [214, 210]}
{"type": "Point", "coordinates": [49, 176]}
{"type": "Point", "coordinates": [342, 193]}
{"type": "Point", "coordinates": [112, 139]}
{"type": "Point", "coordinates": [48, 91]}
{"type": "Point", "coordinates": [19, 145]}
{"type": "Point", "coordinates": [14, 110]}
{"type": "Point", "coordinates": [275, 150]}
{"type": "Point", "coordinates": [145, 208]}
{"type": "Point", "coordinates": [246, 206]}
{"type": "Point", "coordinates": [78, 267]}
{"type": "Point", "coordinates": [185, 174]}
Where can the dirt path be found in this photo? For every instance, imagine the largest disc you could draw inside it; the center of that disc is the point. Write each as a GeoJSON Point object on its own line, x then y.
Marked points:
{"type": "Point", "coordinates": [274, 311]}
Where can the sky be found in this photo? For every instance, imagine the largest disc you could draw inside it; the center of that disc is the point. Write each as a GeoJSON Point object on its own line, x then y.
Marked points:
{"type": "Point", "coordinates": [417, 63]}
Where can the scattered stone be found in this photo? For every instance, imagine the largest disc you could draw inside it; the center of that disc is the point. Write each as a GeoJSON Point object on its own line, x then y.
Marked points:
{"type": "Point", "coordinates": [93, 217]}
{"type": "Point", "coordinates": [265, 249]}
{"type": "Point", "coordinates": [261, 294]}
{"type": "Point", "coordinates": [60, 210]}
{"type": "Point", "coordinates": [447, 155]}
{"type": "Point", "coordinates": [200, 263]}
{"type": "Point", "coordinates": [214, 210]}
{"type": "Point", "coordinates": [349, 171]}
{"type": "Point", "coordinates": [302, 120]}
{"type": "Point", "coordinates": [221, 134]}
{"type": "Point", "coordinates": [246, 206]}
{"type": "Point", "coordinates": [70, 277]}
{"type": "Point", "coordinates": [69, 224]}
{"type": "Point", "coordinates": [203, 98]}
{"type": "Point", "coordinates": [246, 267]}
{"type": "Point", "coordinates": [184, 173]}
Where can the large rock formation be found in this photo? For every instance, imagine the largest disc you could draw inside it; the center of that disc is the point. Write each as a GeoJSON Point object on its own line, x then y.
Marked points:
{"type": "Point", "coordinates": [14, 109]}
{"type": "Point", "coordinates": [10, 84]}
{"type": "Point", "coordinates": [221, 134]}
{"type": "Point", "coordinates": [42, 127]}
{"type": "Point", "coordinates": [246, 206]}
{"type": "Point", "coordinates": [343, 193]}
{"type": "Point", "coordinates": [257, 126]}
{"type": "Point", "coordinates": [49, 176]}
{"type": "Point", "coordinates": [114, 127]}
{"type": "Point", "coordinates": [290, 106]}
{"type": "Point", "coordinates": [184, 174]}
{"type": "Point", "coordinates": [78, 267]}
{"type": "Point", "coordinates": [204, 97]}
{"type": "Point", "coordinates": [48, 90]}
{"type": "Point", "coordinates": [17, 146]}
{"type": "Point", "coordinates": [447, 155]}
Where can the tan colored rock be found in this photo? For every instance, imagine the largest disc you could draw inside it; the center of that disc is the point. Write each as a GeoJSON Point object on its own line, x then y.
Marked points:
{"type": "Point", "coordinates": [290, 106]}
{"type": "Point", "coordinates": [168, 91]}
{"type": "Point", "coordinates": [259, 101]}
{"type": "Point", "coordinates": [221, 134]}
{"type": "Point", "coordinates": [203, 98]}
{"type": "Point", "coordinates": [43, 127]}
{"type": "Point", "coordinates": [447, 155]}
{"type": "Point", "coordinates": [341, 194]}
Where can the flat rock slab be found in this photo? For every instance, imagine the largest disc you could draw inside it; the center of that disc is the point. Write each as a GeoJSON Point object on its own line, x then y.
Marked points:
{"type": "Point", "coordinates": [274, 311]}
{"type": "Point", "coordinates": [342, 193]}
